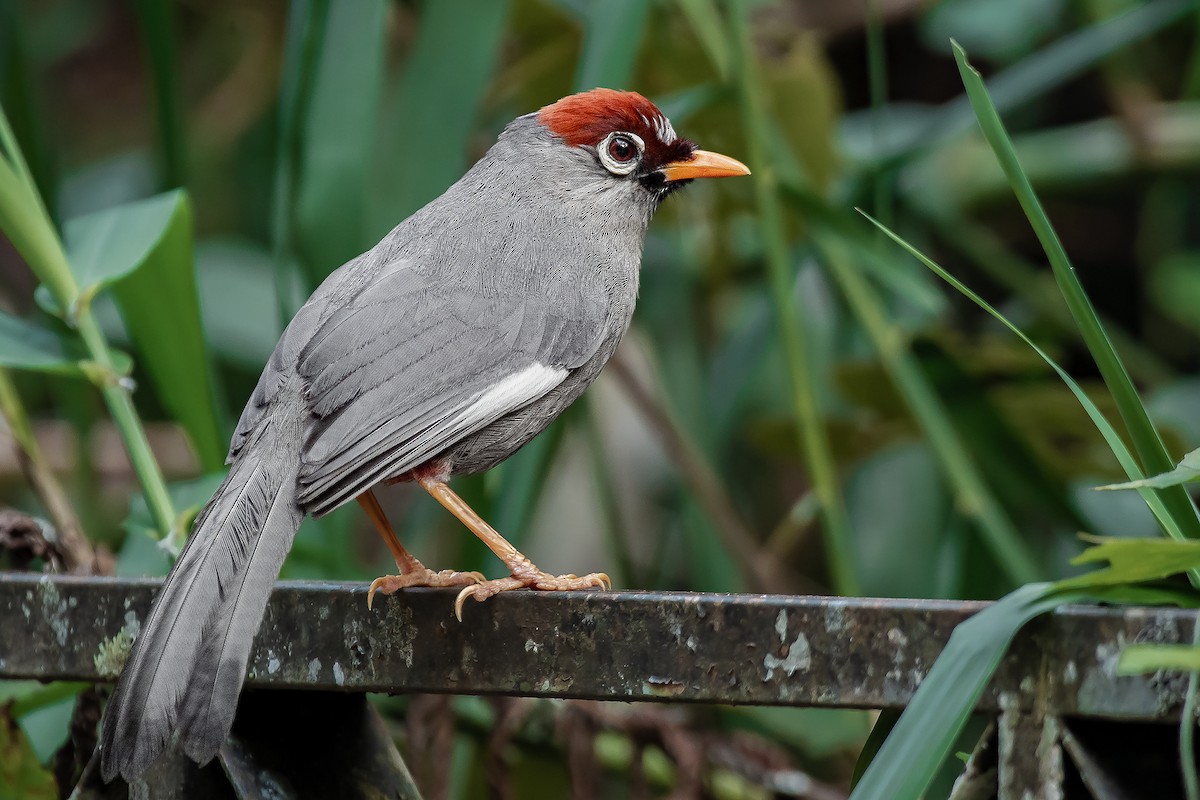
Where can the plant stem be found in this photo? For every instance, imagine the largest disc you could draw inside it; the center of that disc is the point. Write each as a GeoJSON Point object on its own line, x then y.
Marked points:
{"type": "Point", "coordinates": [23, 218]}
{"type": "Point", "coordinates": [77, 552]}
{"type": "Point", "coordinates": [125, 417]}
{"type": "Point", "coordinates": [814, 442]}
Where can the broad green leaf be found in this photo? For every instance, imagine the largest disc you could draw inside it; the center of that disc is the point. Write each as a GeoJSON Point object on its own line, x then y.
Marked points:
{"type": "Point", "coordinates": [1186, 471]}
{"type": "Point", "coordinates": [338, 134]}
{"type": "Point", "coordinates": [108, 245]}
{"type": "Point", "coordinates": [144, 251]}
{"type": "Point", "coordinates": [1133, 561]}
{"type": "Point", "coordinates": [1138, 659]}
{"type": "Point", "coordinates": [21, 774]}
{"type": "Point", "coordinates": [28, 346]}
{"type": "Point", "coordinates": [431, 116]}
{"type": "Point", "coordinates": [1146, 439]}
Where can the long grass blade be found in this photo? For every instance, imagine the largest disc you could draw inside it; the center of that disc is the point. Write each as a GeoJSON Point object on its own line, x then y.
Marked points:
{"type": "Point", "coordinates": [1124, 456]}
{"type": "Point", "coordinates": [337, 134]}
{"type": "Point", "coordinates": [971, 490]}
{"type": "Point", "coordinates": [909, 759]}
{"type": "Point", "coordinates": [1146, 439]}
{"type": "Point", "coordinates": [429, 118]}
{"type": "Point", "coordinates": [612, 38]}
{"type": "Point", "coordinates": [814, 440]}
{"type": "Point", "coordinates": [157, 26]}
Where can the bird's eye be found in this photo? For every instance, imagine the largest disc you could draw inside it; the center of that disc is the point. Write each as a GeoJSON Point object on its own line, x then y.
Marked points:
{"type": "Point", "coordinates": [620, 153]}
{"type": "Point", "coordinates": [621, 149]}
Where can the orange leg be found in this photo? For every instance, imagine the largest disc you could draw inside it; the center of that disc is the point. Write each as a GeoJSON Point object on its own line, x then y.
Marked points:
{"type": "Point", "coordinates": [412, 571]}
{"type": "Point", "coordinates": [524, 573]}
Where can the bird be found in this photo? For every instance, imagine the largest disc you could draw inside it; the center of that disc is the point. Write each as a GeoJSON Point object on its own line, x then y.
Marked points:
{"type": "Point", "coordinates": [439, 352]}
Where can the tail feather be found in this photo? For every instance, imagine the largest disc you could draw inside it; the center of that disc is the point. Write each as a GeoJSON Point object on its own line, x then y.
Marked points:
{"type": "Point", "coordinates": [219, 585]}
{"type": "Point", "coordinates": [207, 714]}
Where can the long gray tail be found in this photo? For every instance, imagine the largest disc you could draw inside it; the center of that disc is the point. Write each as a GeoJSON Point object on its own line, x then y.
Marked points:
{"type": "Point", "coordinates": [187, 666]}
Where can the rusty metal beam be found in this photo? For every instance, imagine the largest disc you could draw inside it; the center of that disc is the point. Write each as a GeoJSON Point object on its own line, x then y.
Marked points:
{"type": "Point", "coordinates": [738, 649]}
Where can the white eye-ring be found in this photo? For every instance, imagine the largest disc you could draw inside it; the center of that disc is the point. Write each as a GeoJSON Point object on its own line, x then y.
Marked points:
{"type": "Point", "coordinates": [621, 152]}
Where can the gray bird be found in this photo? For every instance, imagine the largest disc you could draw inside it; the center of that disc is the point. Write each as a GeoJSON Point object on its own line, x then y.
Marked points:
{"type": "Point", "coordinates": [440, 351]}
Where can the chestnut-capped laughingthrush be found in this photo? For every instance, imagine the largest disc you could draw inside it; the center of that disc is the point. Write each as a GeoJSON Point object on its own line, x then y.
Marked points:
{"type": "Point", "coordinates": [438, 352]}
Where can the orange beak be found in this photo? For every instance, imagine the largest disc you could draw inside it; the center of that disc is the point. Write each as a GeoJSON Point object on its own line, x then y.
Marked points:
{"type": "Point", "coordinates": [703, 164]}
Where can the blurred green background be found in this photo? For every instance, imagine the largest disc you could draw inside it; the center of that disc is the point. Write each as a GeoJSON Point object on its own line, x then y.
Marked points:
{"type": "Point", "coordinates": [800, 407]}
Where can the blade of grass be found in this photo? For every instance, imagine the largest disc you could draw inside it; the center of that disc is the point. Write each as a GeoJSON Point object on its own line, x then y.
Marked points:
{"type": "Point", "coordinates": [972, 494]}
{"type": "Point", "coordinates": [705, 20]}
{"type": "Point", "coordinates": [157, 28]}
{"type": "Point", "coordinates": [430, 116]}
{"type": "Point", "coordinates": [18, 95]}
{"type": "Point", "coordinates": [998, 261]}
{"type": "Point", "coordinates": [337, 134]}
{"type": "Point", "coordinates": [611, 39]}
{"type": "Point", "coordinates": [814, 440]}
{"type": "Point", "coordinates": [921, 738]}
{"type": "Point", "coordinates": [305, 29]}
{"type": "Point", "coordinates": [1146, 440]}
{"type": "Point", "coordinates": [1111, 437]}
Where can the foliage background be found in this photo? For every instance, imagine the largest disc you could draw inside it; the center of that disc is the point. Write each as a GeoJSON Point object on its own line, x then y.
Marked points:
{"type": "Point", "coordinates": [751, 436]}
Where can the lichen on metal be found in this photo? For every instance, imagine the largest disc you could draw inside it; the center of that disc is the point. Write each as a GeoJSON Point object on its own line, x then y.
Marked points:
{"type": "Point", "coordinates": [738, 649]}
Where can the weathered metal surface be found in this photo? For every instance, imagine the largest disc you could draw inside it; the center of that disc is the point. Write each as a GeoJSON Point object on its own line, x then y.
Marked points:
{"type": "Point", "coordinates": [811, 651]}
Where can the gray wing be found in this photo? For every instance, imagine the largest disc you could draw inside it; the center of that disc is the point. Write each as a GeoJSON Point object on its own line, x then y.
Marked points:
{"type": "Point", "coordinates": [411, 363]}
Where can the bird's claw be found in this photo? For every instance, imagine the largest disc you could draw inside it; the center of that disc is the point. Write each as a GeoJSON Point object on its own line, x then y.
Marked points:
{"type": "Point", "coordinates": [390, 584]}
{"type": "Point", "coordinates": [534, 579]}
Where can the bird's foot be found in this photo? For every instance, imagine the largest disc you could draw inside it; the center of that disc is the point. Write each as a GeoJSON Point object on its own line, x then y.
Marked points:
{"type": "Point", "coordinates": [423, 576]}
{"type": "Point", "coordinates": [526, 576]}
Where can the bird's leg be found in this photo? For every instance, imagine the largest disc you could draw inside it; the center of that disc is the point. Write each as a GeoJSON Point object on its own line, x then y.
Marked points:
{"type": "Point", "coordinates": [412, 571]}
{"type": "Point", "coordinates": [524, 573]}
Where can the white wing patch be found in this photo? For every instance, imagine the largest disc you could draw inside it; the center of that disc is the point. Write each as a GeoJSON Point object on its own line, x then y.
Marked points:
{"type": "Point", "coordinates": [511, 393]}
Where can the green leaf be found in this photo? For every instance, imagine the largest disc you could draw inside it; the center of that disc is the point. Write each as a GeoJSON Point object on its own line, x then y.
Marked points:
{"type": "Point", "coordinates": [108, 245]}
{"type": "Point", "coordinates": [25, 345]}
{"type": "Point", "coordinates": [338, 135]}
{"type": "Point", "coordinates": [21, 774]}
{"type": "Point", "coordinates": [928, 728]}
{"type": "Point", "coordinates": [1133, 561]}
{"type": "Point", "coordinates": [143, 250]}
{"type": "Point", "coordinates": [1138, 659]}
{"type": "Point", "coordinates": [1186, 471]}
{"type": "Point", "coordinates": [1146, 440]}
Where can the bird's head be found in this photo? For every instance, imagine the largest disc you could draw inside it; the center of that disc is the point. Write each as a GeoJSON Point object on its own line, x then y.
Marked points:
{"type": "Point", "coordinates": [628, 140]}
